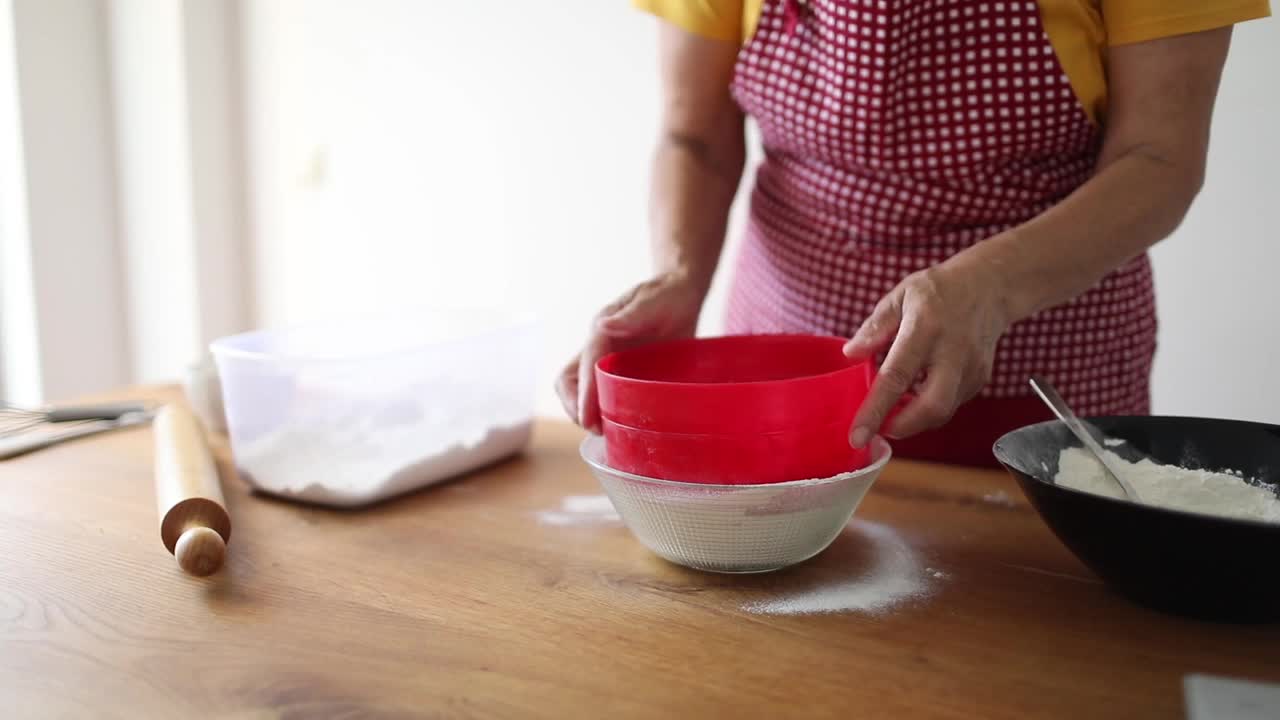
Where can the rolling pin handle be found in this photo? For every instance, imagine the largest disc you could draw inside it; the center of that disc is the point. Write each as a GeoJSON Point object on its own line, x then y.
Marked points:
{"type": "Point", "coordinates": [194, 524]}
{"type": "Point", "coordinates": [200, 550]}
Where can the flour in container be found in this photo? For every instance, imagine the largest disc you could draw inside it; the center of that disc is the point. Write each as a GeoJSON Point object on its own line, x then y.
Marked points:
{"type": "Point", "coordinates": [1170, 486]}
{"type": "Point", "coordinates": [358, 459]}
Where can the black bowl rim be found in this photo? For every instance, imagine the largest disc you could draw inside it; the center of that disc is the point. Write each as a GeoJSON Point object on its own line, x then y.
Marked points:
{"type": "Point", "coordinates": [1242, 523]}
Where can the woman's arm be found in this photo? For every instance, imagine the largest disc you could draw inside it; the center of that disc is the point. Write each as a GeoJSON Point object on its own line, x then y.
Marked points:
{"type": "Point", "coordinates": [696, 170]}
{"type": "Point", "coordinates": [701, 150]}
{"type": "Point", "coordinates": [946, 320]}
{"type": "Point", "coordinates": [1151, 168]}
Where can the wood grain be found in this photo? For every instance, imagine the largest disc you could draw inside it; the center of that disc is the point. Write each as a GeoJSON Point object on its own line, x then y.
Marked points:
{"type": "Point", "coordinates": [194, 524]}
{"type": "Point", "coordinates": [458, 602]}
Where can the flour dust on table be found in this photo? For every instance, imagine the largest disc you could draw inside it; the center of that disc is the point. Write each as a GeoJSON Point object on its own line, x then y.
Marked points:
{"type": "Point", "coordinates": [581, 510]}
{"type": "Point", "coordinates": [999, 498]}
{"type": "Point", "coordinates": [894, 577]}
{"type": "Point", "coordinates": [1206, 492]}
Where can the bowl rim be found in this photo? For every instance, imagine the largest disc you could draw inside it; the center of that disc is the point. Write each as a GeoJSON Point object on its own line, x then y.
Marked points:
{"type": "Point", "coordinates": [1273, 527]}
{"type": "Point", "coordinates": [593, 444]}
{"type": "Point", "coordinates": [863, 366]}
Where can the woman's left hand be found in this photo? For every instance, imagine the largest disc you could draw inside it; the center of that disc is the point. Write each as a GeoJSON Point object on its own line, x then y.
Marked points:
{"type": "Point", "coordinates": [942, 323]}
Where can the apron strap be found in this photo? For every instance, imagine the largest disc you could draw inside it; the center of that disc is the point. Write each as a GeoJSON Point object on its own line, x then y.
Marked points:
{"type": "Point", "coordinates": [791, 10]}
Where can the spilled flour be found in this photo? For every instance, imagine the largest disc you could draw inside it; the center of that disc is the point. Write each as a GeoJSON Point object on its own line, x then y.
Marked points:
{"type": "Point", "coordinates": [999, 497]}
{"type": "Point", "coordinates": [581, 510]}
{"type": "Point", "coordinates": [1170, 486]}
{"type": "Point", "coordinates": [894, 576]}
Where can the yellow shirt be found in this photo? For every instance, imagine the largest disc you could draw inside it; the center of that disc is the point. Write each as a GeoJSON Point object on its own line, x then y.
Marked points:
{"type": "Point", "coordinates": [1080, 30]}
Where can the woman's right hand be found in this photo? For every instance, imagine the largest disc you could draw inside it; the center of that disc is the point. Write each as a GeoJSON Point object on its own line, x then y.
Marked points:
{"type": "Point", "coordinates": [696, 170]}
{"type": "Point", "coordinates": [663, 308]}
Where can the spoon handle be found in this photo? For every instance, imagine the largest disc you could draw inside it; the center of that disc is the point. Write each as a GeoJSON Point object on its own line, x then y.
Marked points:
{"type": "Point", "coordinates": [1060, 408]}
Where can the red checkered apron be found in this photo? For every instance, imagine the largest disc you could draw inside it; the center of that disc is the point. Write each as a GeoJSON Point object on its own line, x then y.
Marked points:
{"type": "Point", "coordinates": [897, 134]}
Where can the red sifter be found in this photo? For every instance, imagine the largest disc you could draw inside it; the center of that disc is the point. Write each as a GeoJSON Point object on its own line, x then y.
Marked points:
{"type": "Point", "coordinates": [736, 410]}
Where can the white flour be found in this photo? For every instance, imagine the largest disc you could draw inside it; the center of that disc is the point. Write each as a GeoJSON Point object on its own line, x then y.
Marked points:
{"type": "Point", "coordinates": [581, 510]}
{"type": "Point", "coordinates": [358, 461]}
{"type": "Point", "coordinates": [1199, 491]}
{"type": "Point", "coordinates": [999, 497]}
{"type": "Point", "coordinates": [895, 576]}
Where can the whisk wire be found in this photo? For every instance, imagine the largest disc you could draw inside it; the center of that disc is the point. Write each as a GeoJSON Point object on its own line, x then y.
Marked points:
{"type": "Point", "coordinates": [16, 420]}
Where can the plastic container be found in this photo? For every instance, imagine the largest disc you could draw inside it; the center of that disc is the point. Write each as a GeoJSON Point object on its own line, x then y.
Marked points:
{"type": "Point", "coordinates": [204, 393]}
{"type": "Point", "coordinates": [735, 528]}
{"type": "Point", "coordinates": [354, 412]}
{"type": "Point", "coordinates": [744, 409]}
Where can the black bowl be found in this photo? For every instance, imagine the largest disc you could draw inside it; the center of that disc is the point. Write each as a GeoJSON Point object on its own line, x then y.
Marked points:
{"type": "Point", "coordinates": [1201, 566]}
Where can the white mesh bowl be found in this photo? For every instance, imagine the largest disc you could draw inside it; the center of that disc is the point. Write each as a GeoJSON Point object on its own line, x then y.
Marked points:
{"type": "Point", "coordinates": [735, 528]}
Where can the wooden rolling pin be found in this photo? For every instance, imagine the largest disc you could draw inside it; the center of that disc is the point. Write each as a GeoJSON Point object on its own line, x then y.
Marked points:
{"type": "Point", "coordinates": [194, 523]}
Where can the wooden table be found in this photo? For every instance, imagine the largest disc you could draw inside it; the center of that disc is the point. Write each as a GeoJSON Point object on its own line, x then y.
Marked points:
{"type": "Point", "coordinates": [462, 601]}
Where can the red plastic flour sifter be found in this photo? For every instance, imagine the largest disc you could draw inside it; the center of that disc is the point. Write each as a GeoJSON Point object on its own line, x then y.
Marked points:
{"type": "Point", "coordinates": [737, 410]}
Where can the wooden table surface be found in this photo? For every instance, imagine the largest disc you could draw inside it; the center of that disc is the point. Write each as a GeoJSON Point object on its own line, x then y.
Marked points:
{"type": "Point", "coordinates": [464, 601]}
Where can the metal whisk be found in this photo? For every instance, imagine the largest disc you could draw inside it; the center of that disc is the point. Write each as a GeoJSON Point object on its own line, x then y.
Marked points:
{"type": "Point", "coordinates": [15, 420]}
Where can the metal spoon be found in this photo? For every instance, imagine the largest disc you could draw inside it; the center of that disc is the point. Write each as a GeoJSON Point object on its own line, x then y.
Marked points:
{"type": "Point", "coordinates": [1060, 408]}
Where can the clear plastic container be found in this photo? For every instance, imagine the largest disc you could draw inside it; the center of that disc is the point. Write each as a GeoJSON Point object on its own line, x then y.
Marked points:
{"type": "Point", "coordinates": [735, 528]}
{"type": "Point", "coordinates": [354, 412]}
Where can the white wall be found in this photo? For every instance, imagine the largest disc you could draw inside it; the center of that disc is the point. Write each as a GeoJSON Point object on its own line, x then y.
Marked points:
{"type": "Point", "coordinates": [1218, 277]}
{"type": "Point", "coordinates": [411, 152]}
{"type": "Point", "coordinates": [450, 153]}
{"type": "Point", "coordinates": [63, 310]}
{"type": "Point", "coordinates": [121, 213]}
{"type": "Point", "coordinates": [149, 86]}
{"type": "Point", "coordinates": [176, 91]}
{"type": "Point", "coordinates": [19, 345]}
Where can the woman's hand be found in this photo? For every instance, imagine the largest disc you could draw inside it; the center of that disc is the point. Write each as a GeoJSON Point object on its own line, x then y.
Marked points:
{"type": "Point", "coordinates": [945, 321]}
{"type": "Point", "coordinates": [943, 324]}
{"type": "Point", "coordinates": [663, 308]}
{"type": "Point", "coordinates": [696, 170]}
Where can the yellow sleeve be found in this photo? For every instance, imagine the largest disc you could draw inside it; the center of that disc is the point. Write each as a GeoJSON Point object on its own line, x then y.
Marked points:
{"type": "Point", "coordinates": [716, 19]}
{"type": "Point", "coordinates": [1131, 21]}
